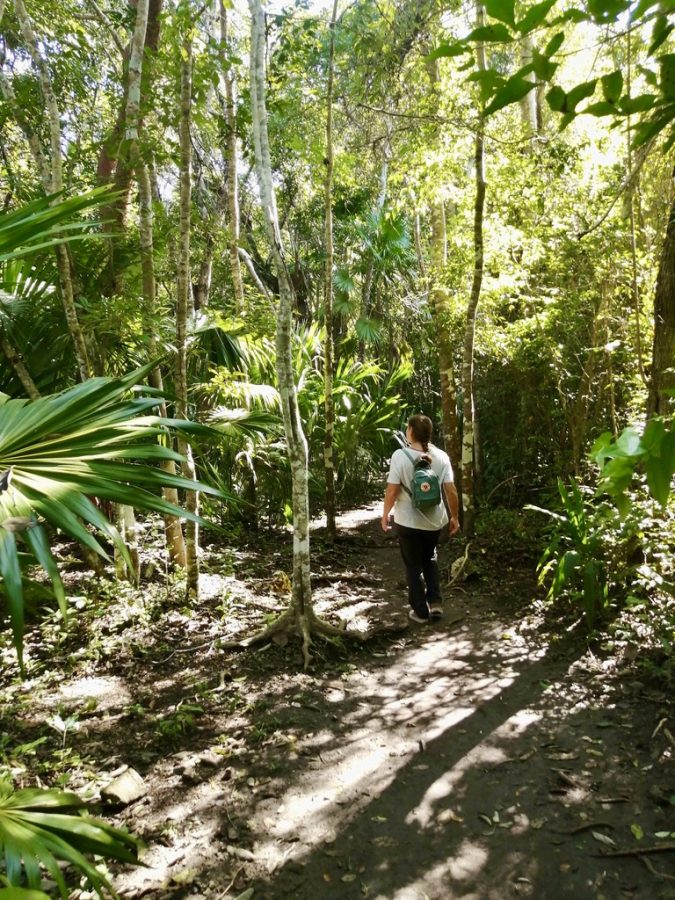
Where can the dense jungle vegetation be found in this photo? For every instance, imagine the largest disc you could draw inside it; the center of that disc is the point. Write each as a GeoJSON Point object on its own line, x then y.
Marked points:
{"type": "Point", "coordinates": [240, 246]}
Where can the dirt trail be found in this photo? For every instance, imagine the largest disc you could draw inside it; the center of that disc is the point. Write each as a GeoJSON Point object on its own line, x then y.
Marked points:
{"type": "Point", "coordinates": [469, 758]}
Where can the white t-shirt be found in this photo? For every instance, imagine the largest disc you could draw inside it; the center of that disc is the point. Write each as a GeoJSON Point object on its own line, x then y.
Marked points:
{"type": "Point", "coordinates": [401, 472]}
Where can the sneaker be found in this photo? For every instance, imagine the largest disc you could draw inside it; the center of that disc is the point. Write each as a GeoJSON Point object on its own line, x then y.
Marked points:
{"type": "Point", "coordinates": [415, 618]}
{"type": "Point", "coordinates": [435, 610]}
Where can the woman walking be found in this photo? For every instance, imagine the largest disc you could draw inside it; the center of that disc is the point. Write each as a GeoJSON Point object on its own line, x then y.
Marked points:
{"type": "Point", "coordinates": [419, 530]}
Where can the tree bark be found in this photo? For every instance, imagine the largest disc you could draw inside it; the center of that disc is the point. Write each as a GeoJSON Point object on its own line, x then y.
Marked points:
{"type": "Point", "coordinates": [439, 304]}
{"type": "Point", "coordinates": [232, 173]}
{"type": "Point", "coordinates": [299, 616]}
{"type": "Point", "coordinates": [661, 401]}
{"type": "Point", "coordinates": [367, 285]}
{"type": "Point", "coordinates": [468, 435]}
{"type": "Point", "coordinates": [15, 359]}
{"type": "Point", "coordinates": [173, 533]}
{"type": "Point", "coordinates": [183, 308]}
{"type": "Point", "coordinates": [528, 103]}
{"type": "Point", "coordinates": [329, 466]}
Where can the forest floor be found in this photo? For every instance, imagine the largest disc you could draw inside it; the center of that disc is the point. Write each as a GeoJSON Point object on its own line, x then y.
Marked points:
{"type": "Point", "coordinates": [479, 756]}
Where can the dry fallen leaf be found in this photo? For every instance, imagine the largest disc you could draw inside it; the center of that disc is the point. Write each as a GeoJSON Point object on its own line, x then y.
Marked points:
{"type": "Point", "coordinates": [603, 838]}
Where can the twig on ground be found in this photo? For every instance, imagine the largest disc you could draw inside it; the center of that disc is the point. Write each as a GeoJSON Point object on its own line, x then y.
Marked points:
{"type": "Point", "coordinates": [584, 827]}
{"type": "Point", "coordinates": [230, 885]}
{"type": "Point", "coordinates": [655, 872]}
{"type": "Point", "coordinates": [639, 851]}
{"type": "Point", "coordinates": [659, 727]}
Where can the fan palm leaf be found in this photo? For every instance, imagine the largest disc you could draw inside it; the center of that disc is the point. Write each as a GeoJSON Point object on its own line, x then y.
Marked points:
{"type": "Point", "coordinates": [44, 223]}
{"type": "Point", "coordinates": [98, 439]}
{"type": "Point", "coordinates": [38, 827]}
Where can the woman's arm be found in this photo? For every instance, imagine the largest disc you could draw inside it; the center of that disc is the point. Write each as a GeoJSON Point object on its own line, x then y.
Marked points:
{"type": "Point", "coordinates": [452, 500]}
{"type": "Point", "coordinates": [390, 495]}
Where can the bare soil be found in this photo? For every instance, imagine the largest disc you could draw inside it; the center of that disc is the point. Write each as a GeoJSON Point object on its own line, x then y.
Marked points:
{"type": "Point", "coordinates": [478, 757]}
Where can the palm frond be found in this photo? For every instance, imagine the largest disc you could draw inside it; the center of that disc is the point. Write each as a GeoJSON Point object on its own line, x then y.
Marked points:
{"type": "Point", "coordinates": [95, 440]}
{"type": "Point", "coordinates": [39, 827]}
{"type": "Point", "coordinates": [45, 222]}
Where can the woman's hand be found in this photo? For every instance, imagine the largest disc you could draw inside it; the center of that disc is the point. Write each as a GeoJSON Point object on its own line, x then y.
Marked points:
{"type": "Point", "coordinates": [384, 522]}
{"type": "Point", "coordinates": [454, 526]}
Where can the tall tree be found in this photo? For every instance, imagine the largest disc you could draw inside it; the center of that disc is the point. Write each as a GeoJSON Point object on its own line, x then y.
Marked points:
{"type": "Point", "coordinates": [661, 399]}
{"type": "Point", "coordinates": [231, 161]}
{"type": "Point", "coordinates": [468, 423]}
{"type": "Point", "coordinates": [300, 616]}
{"type": "Point", "coordinates": [184, 307]}
{"type": "Point", "coordinates": [329, 466]}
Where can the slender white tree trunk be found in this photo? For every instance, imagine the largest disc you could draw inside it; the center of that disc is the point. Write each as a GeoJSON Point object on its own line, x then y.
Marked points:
{"type": "Point", "coordinates": [300, 609]}
{"type": "Point", "coordinates": [183, 308]}
{"type": "Point", "coordinates": [232, 176]}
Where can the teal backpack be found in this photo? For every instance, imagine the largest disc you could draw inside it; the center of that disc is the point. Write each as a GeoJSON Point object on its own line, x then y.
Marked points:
{"type": "Point", "coordinates": [425, 489]}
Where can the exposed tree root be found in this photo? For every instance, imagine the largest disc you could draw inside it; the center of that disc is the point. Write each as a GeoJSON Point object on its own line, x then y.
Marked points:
{"type": "Point", "coordinates": [293, 624]}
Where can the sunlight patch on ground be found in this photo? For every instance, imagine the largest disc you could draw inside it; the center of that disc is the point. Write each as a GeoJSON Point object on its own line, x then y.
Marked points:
{"type": "Point", "coordinates": [419, 691]}
{"type": "Point", "coordinates": [108, 692]}
{"type": "Point", "coordinates": [468, 862]}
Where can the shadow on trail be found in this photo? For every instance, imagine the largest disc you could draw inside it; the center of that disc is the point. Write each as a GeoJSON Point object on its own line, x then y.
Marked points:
{"type": "Point", "coordinates": [417, 832]}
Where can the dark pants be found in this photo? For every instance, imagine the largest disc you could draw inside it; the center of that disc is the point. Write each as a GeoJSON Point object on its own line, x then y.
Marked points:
{"type": "Point", "coordinates": [418, 549]}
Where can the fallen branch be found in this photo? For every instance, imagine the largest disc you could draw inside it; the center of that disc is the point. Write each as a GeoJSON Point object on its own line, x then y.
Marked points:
{"type": "Point", "coordinates": [655, 872]}
{"type": "Point", "coordinates": [639, 851]}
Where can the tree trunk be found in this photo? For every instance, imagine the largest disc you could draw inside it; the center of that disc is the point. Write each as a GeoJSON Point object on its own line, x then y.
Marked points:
{"type": "Point", "coordinates": [367, 286]}
{"type": "Point", "coordinates": [232, 176]}
{"type": "Point", "coordinates": [528, 103]}
{"type": "Point", "coordinates": [115, 159]}
{"type": "Point", "coordinates": [183, 309]}
{"type": "Point", "coordinates": [439, 304]}
{"type": "Point", "coordinates": [15, 359]}
{"type": "Point", "coordinates": [299, 616]}
{"type": "Point", "coordinates": [329, 466]}
{"type": "Point", "coordinates": [56, 185]}
{"type": "Point", "coordinates": [175, 543]}
{"type": "Point", "coordinates": [468, 436]}
{"type": "Point", "coordinates": [661, 401]}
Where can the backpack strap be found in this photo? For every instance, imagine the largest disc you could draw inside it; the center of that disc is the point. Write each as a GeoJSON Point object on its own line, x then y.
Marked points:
{"type": "Point", "coordinates": [414, 462]}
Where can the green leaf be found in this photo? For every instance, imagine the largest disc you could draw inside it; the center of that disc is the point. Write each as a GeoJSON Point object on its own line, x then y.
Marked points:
{"type": "Point", "coordinates": [639, 104]}
{"type": "Point", "coordinates": [612, 86]}
{"type": "Point", "coordinates": [556, 99]}
{"type": "Point", "coordinates": [607, 10]}
{"type": "Point", "coordinates": [602, 108]}
{"type": "Point", "coordinates": [514, 89]}
{"type": "Point", "coordinates": [580, 92]}
{"type": "Point", "coordinates": [454, 49]}
{"type": "Point", "coordinates": [491, 34]}
{"type": "Point", "coordinates": [12, 587]}
{"type": "Point", "coordinates": [543, 67]}
{"type": "Point", "coordinates": [637, 831]}
{"type": "Point", "coordinates": [37, 541]}
{"type": "Point", "coordinates": [667, 73]}
{"type": "Point", "coordinates": [662, 29]}
{"type": "Point", "coordinates": [488, 81]}
{"type": "Point", "coordinates": [535, 16]}
{"type": "Point", "coordinates": [19, 893]}
{"type": "Point", "coordinates": [574, 15]}
{"type": "Point", "coordinates": [501, 9]}
{"type": "Point", "coordinates": [554, 44]}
